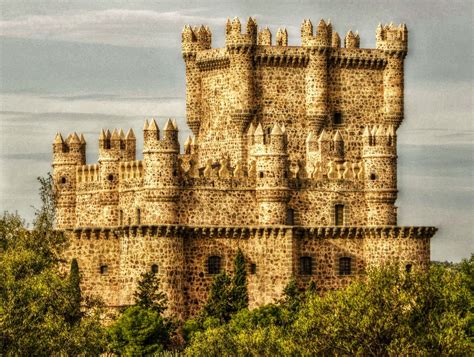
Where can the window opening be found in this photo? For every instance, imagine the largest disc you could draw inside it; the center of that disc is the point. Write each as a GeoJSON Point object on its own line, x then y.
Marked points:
{"type": "Point", "coordinates": [306, 265]}
{"type": "Point", "coordinates": [214, 265]}
{"type": "Point", "coordinates": [345, 266]}
{"type": "Point", "coordinates": [339, 215]}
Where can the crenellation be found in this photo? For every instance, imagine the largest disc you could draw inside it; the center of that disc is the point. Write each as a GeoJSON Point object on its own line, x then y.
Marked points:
{"type": "Point", "coordinates": [293, 154]}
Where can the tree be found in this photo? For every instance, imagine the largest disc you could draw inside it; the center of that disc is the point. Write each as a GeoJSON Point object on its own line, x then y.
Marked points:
{"type": "Point", "coordinates": [239, 293]}
{"type": "Point", "coordinates": [142, 329]}
{"type": "Point", "coordinates": [35, 299]}
{"type": "Point", "coordinates": [148, 294]}
{"type": "Point", "coordinates": [75, 292]}
{"type": "Point", "coordinates": [219, 302]}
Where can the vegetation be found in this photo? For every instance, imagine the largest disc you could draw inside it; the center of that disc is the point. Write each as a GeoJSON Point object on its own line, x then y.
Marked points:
{"type": "Point", "coordinates": [142, 329]}
{"type": "Point", "coordinates": [387, 312]}
{"type": "Point", "coordinates": [40, 307]}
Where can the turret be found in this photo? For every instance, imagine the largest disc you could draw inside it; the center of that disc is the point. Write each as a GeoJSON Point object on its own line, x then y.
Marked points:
{"type": "Point", "coordinates": [193, 41]}
{"type": "Point", "coordinates": [338, 144]}
{"type": "Point", "coordinates": [272, 176]}
{"type": "Point", "coordinates": [393, 40]}
{"type": "Point", "coordinates": [379, 156]}
{"type": "Point", "coordinates": [240, 47]}
{"type": "Point", "coordinates": [67, 155]}
{"type": "Point", "coordinates": [282, 37]}
{"type": "Point", "coordinates": [316, 72]}
{"type": "Point", "coordinates": [265, 37]}
{"type": "Point", "coordinates": [352, 40]}
{"type": "Point", "coordinates": [161, 181]}
{"type": "Point", "coordinates": [336, 40]}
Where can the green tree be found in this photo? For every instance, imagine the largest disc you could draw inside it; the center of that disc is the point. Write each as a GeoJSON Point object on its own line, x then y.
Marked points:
{"type": "Point", "coordinates": [75, 292]}
{"type": "Point", "coordinates": [239, 293]}
{"type": "Point", "coordinates": [142, 329]}
{"type": "Point", "coordinates": [148, 294]}
{"type": "Point", "coordinates": [35, 299]}
{"type": "Point", "coordinates": [219, 302]}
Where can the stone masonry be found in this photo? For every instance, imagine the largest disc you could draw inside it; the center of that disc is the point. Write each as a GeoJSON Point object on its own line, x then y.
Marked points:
{"type": "Point", "coordinates": [293, 159]}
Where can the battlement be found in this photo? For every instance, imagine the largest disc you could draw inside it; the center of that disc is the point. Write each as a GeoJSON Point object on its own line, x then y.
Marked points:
{"type": "Point", "coordinates": [322, 38]}
{"type": "Point", "coordinates": [379, 135]}
{"type": "Point", "coordinates": [195, 39]}
{"type": "Point", "coordinates": [235, 39]}
{"type": "Point", "coordinates": [154, 142]}
{"type": "Point", "coordinates": [116, 145]}
{"type": "Point", "coordinates": [72, 150]}
{"type": "Point", "coordinates": [392, 39]}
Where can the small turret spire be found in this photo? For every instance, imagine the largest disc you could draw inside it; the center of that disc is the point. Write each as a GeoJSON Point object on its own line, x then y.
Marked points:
{"type": "Point", "coordinates": [130, 135]}
{"type": "Point", "coordinates": [58, 139]}
{"type": "Point", "coordinates": [153, 125]}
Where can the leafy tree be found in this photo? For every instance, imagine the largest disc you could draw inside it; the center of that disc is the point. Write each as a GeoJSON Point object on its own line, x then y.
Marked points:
{"type": "Point", "coordinates": [142, 329]}
{"type": "Point", "coordinates": [35, 299]}
{"type": "Point", "coordinates": [219, 302]}
{"type": "Point", "coordinates": [148, 294]}
{"type": "Point", "coordinates": [239, 293]}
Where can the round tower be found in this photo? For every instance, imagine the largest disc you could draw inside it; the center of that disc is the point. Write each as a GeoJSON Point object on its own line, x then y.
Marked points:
{"type": "Point", "coordinates": [111, 151]}
{"type": "Point", "coordinates": [193, 41]}
{"type": "Point", "coordinates": [393, 40]}
{"type": "Point", "coordinates": [161, 181]}
{"type": "Point", "coordinates": [67, 156]}
{"type": "Point", "coordinates": [316, 72]}
{"type": "Point", "coordinates": [272, 176]}
{"type": "Point", "coordinates": [240, 47]}
{"type": "Point", "coordinates": [380, 175]}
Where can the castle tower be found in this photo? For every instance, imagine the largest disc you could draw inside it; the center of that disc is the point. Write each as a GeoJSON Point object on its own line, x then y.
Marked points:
{"type": "Point", "coordinates": [67, 155]}
{"type": "Point", "coordinates": [272, 175]}
{"type": "Point", "coordinates": [161, 181]}
{"type": "Point", "coordinates": [240, 47]}
{"type": "Point", "coordinates": [316, 73]}
{"type": "Point", "coordinates": [394, 42]}
{"type": "Point", "coordinates": [193, 41]}
{"type": "Point", "coordinates": [379, 155]}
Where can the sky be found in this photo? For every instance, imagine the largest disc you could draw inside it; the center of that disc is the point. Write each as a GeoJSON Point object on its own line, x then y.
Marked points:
{"type": "Point", "coordinates": [85, 65]}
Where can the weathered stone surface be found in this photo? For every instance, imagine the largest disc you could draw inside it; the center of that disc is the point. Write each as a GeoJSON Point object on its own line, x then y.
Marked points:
{"type": "Point", "coordinates": [293, 155]}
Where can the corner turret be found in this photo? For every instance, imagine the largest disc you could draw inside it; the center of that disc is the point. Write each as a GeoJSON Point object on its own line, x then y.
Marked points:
{"type": "Point", "coordinates": [379, 157]}
{"type": "Point", "coordinates": [272, 176]}
{"type": "Point", "coordinates": [161, 174]}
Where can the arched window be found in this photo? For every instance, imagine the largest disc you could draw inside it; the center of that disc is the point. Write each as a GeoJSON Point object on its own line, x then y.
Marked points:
{"type": "Point", "coordinates": [345, 266]}
{"type": "Point", "coordinates": [214, 265]}
{"type": "Point", "coordinates": [339, 215]}
{"type": "Point", "coordinates": [306, 266]}
{"type": "Point", "coordinates": [110, 177]}
{"type": "Point", "coordinates": [104, 269]}
{"type": "Point", "coordinates": [373, 176]}
{"type": "Point", "coordinates": [290, 217]}
{"type": "Point", "coordinates": [154, 268]}
{"type": "Point", "coordinates": [408, 268]}
{"type": "Point", "coordinates": [63, 180]}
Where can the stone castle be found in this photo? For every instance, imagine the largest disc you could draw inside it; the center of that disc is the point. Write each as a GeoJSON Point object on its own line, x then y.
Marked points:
{"type": "Point", "coordinates": [293, 159]}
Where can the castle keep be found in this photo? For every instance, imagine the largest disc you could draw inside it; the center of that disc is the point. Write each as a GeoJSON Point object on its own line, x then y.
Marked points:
{"type": "Point", "coordinates": [293, 159]}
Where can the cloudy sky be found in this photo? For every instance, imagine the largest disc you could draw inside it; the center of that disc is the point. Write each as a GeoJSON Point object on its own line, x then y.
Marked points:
{"type": "Point", "coordinates": [84, 65]}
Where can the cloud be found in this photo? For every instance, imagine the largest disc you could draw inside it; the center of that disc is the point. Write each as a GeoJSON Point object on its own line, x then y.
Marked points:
{"type": "Point", "coordinates": [121, 27]}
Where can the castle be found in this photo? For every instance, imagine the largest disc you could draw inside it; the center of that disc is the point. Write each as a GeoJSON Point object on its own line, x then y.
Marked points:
{"type": "Point", "coordinates": [293, 159]}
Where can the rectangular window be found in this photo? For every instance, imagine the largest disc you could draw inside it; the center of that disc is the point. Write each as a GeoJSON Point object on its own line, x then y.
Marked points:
{"type": "Point", "coordinates": [345, 266]}
{"type": "Point", "coordinates": [290, 217]}
{"type": "Point", "coordinates": [138, 216]}
{"type": "Point", "coordinates": [337, 118]}
{"type": "Point", "coordinates": [306, 265]}
{"type": "Point", "coordinates": [339, 215]}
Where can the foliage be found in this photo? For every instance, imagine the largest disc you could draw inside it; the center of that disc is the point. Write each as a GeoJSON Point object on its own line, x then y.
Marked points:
{"type": "Point", "coordinates": [239, 293]}
{"type": "Point", "coordinates": [386, 313]}
{"type": "Point", "coordinates": [75, 292]}
{"type": "Point", "coordinates": [39, 312]}
{"type": "Point", "coordinates": [141, 329]}
{"type": "Point", "coordinates": [148, 294]}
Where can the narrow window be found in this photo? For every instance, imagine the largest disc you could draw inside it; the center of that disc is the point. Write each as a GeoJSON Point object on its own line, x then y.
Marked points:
{"type": "Point", "coordinates": [408, 268]}
{"type": "Point", "coordinates": [260, 174]}
{"type": "Point", "coordinates": [345, 266]}
{"type": "Point", "coordinates": [214, 265]}
{"type": "Point", "coordinates": [121, 218]}
{"type": "Point", "coordinates": [154, 268]}
{"type": "Point", "coordinates": [107, 144]}
{"type": "Point", "coordinates": [138, 214]}
{"type": "Point", "coordinates": [110, 177]}
{"type": "Point", "coordinates": [290, 217]}
{"type": "Point", "coordinates": [253, 268]}
{"type": "Point", "coordinates": [122, 145]}
{"type": "Point", "coordinates": [63, 180]}
{"type": "Point", "coordinates": [306, 265]}
{"type": "Point", "coordinates": [337, 118]}
{"type": "Point", "coordinates": [339, 215]}
{"type": "Point", "coordinates": [104, 269]}
{"type": "Point", "coordinates": [373, 176]}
